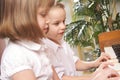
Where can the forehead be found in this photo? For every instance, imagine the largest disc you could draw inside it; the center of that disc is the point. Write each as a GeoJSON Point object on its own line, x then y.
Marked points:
{"type": "Point", "coordinates": [57, 11]}
{"type": "Point", "coordinates": [56, 15]}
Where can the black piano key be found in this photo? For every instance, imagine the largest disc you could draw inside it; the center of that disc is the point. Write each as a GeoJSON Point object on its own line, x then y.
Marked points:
{"type": "Point", "coordinates": [116, 49]}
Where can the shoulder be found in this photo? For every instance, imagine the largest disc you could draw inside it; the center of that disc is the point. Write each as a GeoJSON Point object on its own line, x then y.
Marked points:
{"type": "Point", "coordinates": [17, 58]}
{"type": "Point", "coordinates": [65, 44]}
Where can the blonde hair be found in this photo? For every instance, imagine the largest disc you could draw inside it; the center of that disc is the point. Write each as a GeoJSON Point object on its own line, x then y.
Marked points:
{"type": "Point", "coordinates": [18, 19]}
{"type": "Point", "coordinates": [58, 5]}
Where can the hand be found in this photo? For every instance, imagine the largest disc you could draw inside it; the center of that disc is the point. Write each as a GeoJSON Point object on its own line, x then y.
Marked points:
{"type": "Point", "coordinates": [105, 73]}
{"type": "Point", "coordinates": [103, 58]}
{"type": "Point", "coordinates": [114, 78]}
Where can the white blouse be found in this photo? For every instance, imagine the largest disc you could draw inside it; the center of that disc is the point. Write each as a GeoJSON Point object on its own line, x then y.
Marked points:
{"type": "Point", "coordinates": [25, 55]}
{"type": "Point", "coordinates": [63, 58]}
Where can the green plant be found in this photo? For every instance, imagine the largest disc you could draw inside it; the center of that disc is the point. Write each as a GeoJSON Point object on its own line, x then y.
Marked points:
{"type": "Point", "coordinates": [90, 18]}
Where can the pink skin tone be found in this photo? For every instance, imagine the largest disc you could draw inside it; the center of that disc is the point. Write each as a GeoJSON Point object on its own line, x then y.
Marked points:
{"type": "Point", "coordinates": [41, 18]}
{"type": "Point", "coordinates": [56, 20]}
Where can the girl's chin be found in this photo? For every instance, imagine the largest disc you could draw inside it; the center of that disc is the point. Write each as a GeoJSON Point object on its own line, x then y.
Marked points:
{"type": "Point", "coordinates": [45, 31]}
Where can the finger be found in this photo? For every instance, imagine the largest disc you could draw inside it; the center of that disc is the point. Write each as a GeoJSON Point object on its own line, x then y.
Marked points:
{"type": "Point", "coordinates": [105, 64]}
{"type": "Point", "coordinates": [106, 55]}
{"type": "Point", "coordinates": [114, 78]}
{"type": "Point", "coordinates": [111, 72]}
{"type": "Point", "coordinates": [105, 59]}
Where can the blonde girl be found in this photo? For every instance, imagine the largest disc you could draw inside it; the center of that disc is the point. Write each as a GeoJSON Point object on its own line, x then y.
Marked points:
{"type": "Point", "coordinates": [24, 57]}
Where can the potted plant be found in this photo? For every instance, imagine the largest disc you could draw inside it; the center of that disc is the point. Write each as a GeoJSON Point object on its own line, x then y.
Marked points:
{"type": "Point", "coordinates": [90, 18]}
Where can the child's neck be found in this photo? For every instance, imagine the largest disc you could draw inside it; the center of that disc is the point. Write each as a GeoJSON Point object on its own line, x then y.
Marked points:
{"type": "Point", "coordinates": [57, 42]}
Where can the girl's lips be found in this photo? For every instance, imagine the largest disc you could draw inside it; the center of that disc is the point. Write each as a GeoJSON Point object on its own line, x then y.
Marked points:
{"type": "Point", "coordinates": [61, 33]}
{"type": "Point", "coordinates": [45, 30]}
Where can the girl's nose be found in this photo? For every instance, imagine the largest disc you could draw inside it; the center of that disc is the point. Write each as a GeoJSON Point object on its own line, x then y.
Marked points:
{"type": "Point", "coordinates": [46, 24]}
{"type": "Point", "coordinates": [63, 26]}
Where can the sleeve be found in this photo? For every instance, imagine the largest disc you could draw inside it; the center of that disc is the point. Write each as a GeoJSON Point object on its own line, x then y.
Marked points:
{"type": "Point", "coordinates": [46, 68]}
{"type": "Point", "coordinates": [14, 62]}
{"type": "Point", "coordinates": [60, 71]}
{"type": "Point", "coordinates": [75, 58]}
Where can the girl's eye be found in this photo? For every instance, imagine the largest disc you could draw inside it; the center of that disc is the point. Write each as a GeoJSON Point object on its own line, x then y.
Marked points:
{"type": "Point", "coordinates": [56, 23]}
{"type": "Point", "coordinates": [43, 14]}
{"type": "Point", "coordinates": [64, 21]}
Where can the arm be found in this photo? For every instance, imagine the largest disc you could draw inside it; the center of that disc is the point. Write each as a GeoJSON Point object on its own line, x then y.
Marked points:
{"type": "Point", "coordinates": [24, 75]}
{"type": "Point", "coordinates": [55, 76]}
{"type": "Point", "coordinates": [105, 73]}
{"type": "Point", "coordinates": [87, 77]}
{"type": "Point", "coordinates": [83, 65]}
{"type": "Point", "coordinates": [102, 73]}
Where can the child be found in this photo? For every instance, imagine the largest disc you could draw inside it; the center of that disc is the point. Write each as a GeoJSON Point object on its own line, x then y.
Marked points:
{"type": "Point", "coordinates": [24, 57]}
{"type": "Point", "coordinates": [63, 58]}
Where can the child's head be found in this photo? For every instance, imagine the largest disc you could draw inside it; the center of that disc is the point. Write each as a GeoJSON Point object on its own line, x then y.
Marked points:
{"type": "Point", "coordinates": [19, 18]}
{"type": "Point", "coordinates": [56, 22]}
